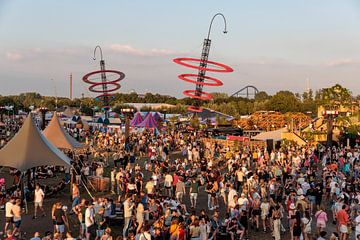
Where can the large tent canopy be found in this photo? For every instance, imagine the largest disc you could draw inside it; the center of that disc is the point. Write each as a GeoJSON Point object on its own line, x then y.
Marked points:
{"type": "Point", "coordinates": [148, 122]}
{"type": "Point", "coordinates": [68, 113]}
{"type": "Point", "coordinates": [157, 117]}
{"type": "Point", "coordinates": [29, 148]}
{"type": "Point", "coordinates": [136, 120]}
{"type": "Point", "coordinates": [274, 135]}
{"type": "Point", "coordinates": [57, 135]}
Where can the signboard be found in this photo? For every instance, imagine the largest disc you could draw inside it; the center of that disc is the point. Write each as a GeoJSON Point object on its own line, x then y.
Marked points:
{"type": "Point", "coordinates": [238, 138]}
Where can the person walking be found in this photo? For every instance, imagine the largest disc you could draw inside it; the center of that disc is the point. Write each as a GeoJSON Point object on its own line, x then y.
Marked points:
{"type": "Point", "coordinates": [16, 210]}
{"type": "Point", "coordinates": [343, 218]}
{"type": "Point", "coordinates": [100, 223]}
{"type": "Point", "coordinates": [90, 222]}
{"type": "Point", "coordinates": [128, 209]}
{"type": "Point", "coordinates": [139, 214]}
{"type": "Point", "coordinates": [321, 219]}
{"type": "Point", "coordinates": [180, 190]}
{"type": "Point", "coordinates": [276, 215]}
{"type": "Point", "coordinates": [194, 191]}
{"type": "Point", "coordinates": [75, 196]}
{"type": "Point", "coordinates": [60, 219]}
{"type": "Point", "coordinates": [38, 200]}
{"type": "Point", "coordinates": [9, 221]}
{"type": "Point", "coordinates": [265, 207]}
{"type": "Point", "coordinates": [168, 184]}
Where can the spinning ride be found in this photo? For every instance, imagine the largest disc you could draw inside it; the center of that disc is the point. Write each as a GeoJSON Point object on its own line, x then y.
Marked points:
{"type": "Point", "coordinates": [204, 65]}
{"type": "Point", "coordinates": [105, 87]}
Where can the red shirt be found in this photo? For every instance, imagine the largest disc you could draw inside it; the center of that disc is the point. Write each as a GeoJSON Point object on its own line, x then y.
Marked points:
{"type": "Point", "coordinates": [10, 238]}
{"type": "Point", "coordinates": [342, 217]}
{"type": "Point", "coordinates": [181, 235]}
{"type": "Point", "coordinates": [175, 179]}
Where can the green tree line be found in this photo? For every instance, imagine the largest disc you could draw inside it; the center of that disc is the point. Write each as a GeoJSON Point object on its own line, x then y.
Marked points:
{"type": "Point", "coordinates": [282, 101]}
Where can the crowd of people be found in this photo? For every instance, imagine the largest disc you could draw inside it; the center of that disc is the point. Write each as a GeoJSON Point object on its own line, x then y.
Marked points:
{"type": "Point", "coordinates": [176, 186]}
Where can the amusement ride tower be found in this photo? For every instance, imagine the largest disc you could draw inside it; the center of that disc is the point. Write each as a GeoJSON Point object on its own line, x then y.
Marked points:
{"type": "Point", "coordinates": [201, 79]}
{"type": "Point", "coordinates": [105, 87]}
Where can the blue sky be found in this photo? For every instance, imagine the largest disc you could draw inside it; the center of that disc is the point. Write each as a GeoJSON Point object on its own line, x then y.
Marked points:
{"type": "Point", "coordinates": [272, 45]}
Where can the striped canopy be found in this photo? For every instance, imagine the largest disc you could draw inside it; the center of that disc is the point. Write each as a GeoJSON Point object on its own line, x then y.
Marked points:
{"type": "Point", "coordinates": [149, 122]}
{"type": "Point", "coordinates": [157, 117]}
{"type": "Point", "coordinates": [136, 120]}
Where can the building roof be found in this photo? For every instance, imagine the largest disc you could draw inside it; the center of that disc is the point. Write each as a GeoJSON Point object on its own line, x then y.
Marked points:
{"type": "Point", "coordinates": [211, 114]}
{"type": "Point", "coordinates": [274, 135]}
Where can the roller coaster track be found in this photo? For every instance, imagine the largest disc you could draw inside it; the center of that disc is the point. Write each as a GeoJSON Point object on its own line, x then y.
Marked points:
{"type": "Point", "coordinates": [247, 91]}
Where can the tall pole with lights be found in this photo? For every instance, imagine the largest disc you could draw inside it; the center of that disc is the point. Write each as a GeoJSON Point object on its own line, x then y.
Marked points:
{"type": "Point", "coordinates": [105, 87]}
{"type": "Point", "coordinates": [204, 66]}
{"type": "Point", "coordinates": [127, 112]}
{"type": "Point", "coordinates": [43, 111]}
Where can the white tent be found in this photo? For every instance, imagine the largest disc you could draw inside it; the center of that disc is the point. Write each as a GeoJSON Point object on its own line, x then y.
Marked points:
{"type": "Point", "coordinates": [274, 135]}
{"type": "Point", "coordinates": [68, 113]}
{"type": "Point", "coordinates": [29, 148]}
{"type": "Point", "coordinates": [57, 135]}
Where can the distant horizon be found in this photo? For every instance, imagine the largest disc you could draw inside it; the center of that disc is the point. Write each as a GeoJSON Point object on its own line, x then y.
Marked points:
{"type": "Point", "coordinates": [281, 45]}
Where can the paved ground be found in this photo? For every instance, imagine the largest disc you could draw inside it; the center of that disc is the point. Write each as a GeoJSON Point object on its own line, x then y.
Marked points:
{"type": "Point", "coordinates": [44, 224]}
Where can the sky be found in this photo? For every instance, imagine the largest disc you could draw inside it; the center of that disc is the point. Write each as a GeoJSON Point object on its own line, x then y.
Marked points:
{"type": "Point", "coordinates": [273, 45]}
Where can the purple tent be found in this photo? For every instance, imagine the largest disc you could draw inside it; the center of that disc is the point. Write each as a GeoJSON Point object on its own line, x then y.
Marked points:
{"type": "Point", "coordinates": [136, 120]}
{"type": "Point", "coordinates": [147, 114]}
{"type": "Point", "coordinates": [149, 122]}
{"type": "Point", "coordinates": [157, 117]}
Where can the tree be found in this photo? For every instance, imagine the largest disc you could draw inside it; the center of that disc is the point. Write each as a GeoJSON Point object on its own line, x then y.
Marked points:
{"type": "Point", "coordinates": [88, 111]}
{"type": "Point", "coordinates": [219, 95]}
{"type": "Point", "coordinates": [283, 101]}
{"type": "Point", "coordinates": [308, 102]}
{"type": "Point", "coordinates": [261, 96]}
{"type": "Point", "coordinates": [334, 96]}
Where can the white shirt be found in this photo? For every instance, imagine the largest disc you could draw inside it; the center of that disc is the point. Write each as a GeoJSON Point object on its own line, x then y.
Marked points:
{"type": "Point", "coordinates": [168, 180]}
{"type": "Point", "coordinates": [231, 195]}
{"type": "Point", "coordinates": [145, 236]}
{"type": "Point", "coordinates": [265, 207]}
{"type": "Point", "coordinates": [357, 222]}
{"type": "Point", "coordinates": [300, 192]}
{"type": "Point", "coordinates": [8, 207]}
{"type": "Point", "coordinates": [39, 195]}
{"type": "Point", "coordinates": [243, 202]}
{"type": "Point", "coordinates": [127, 209]}
{"type": "Point", "coordinates": [89, 217]}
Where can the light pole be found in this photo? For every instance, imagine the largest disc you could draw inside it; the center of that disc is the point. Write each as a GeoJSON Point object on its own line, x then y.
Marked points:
{"type": "Point", "coordinates": [201, 79]}
{"type": "Point", "coordinates": [127, 112]}
{"type": "Point", "coordinates": [56, 97]}
{"type": "Point", "coordinates": [330, 115]}
{"type": "Point", "coordinates": [2, 108]}
{"type": "Point", "coordinates": [204, 60]}
{"type": "Point", "coordinates": [43, 111]}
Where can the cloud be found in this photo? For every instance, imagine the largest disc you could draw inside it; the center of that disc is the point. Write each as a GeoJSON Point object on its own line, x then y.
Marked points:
{"type": "Point", "coordinates": [342, 62]}
{"type": "Point", "coordinates": [14, 56]}
{"type": "Point", "coordinates": [128, 49]}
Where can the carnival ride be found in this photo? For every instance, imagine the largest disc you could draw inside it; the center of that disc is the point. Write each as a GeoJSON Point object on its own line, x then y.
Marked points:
{"type": "Point", "coordinates": [102, 87]}
{"type": "Point", "coordinates": [201, 79]}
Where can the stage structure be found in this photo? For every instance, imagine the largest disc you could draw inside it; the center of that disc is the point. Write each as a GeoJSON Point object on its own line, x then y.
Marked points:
{"type": "Point", "coordinates": [103, 85]}
{"type": "Point", "coordinates": [201, 79]}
